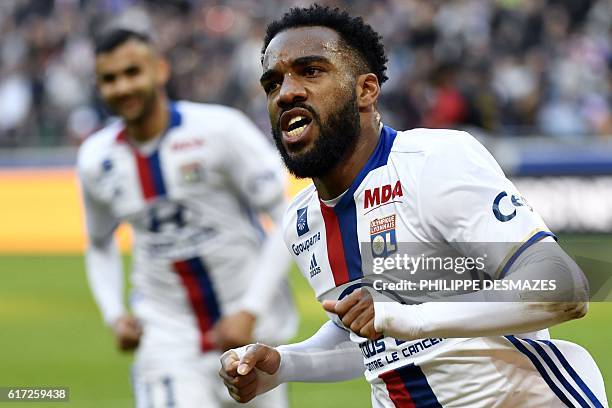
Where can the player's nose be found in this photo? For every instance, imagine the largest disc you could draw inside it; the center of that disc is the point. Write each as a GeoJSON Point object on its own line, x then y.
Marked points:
{"type": "Point", "coordinates": [291, 91]}
{"type": "Point", "coordinates": [122, 86]}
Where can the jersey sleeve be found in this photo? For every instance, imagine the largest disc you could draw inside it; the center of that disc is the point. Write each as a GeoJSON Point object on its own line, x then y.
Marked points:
{"type": "Point", "coordinates": [253, 164]}
{"type": "Point", "coordinates": [102, 258]}
{"type": "Point", "coordinates": [328, 356]}
{"type": "Point", "coordinates": [100, 223]}
{"type": "Point", "coordinates": [466, 200]}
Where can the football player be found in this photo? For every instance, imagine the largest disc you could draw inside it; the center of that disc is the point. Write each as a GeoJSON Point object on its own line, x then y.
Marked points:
{"type": "Point", "coordinates": [191, 179]}
{"type": "Point", "coordinates": [376, 189]}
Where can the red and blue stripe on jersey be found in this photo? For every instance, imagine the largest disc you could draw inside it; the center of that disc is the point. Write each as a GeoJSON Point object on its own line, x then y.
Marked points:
{"type": "Point", "coordinates": [151, 179]}
{"type": "Point", "coordinates": [150, 172]}
{"type": "Point", "coordinates": [341, 220]}
{"type": "Point", "coordinates": [408, 388]}
{"type": "Point", "coordinates": [192, 272]}
{"type": "Point", "coordinates": [201, 293]}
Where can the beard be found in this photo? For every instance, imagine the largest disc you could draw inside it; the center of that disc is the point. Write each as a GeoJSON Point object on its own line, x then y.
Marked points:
{"type": "Point", "coordinates": [337, 138]}
{"type": "Point", "coordinates": [147, 99]}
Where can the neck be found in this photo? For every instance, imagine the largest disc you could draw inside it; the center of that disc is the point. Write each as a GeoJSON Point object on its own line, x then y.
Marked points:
{"type": "Point", "coordinates": [152, 124]}
{"type": "Point", "coordinates": [340, 178]}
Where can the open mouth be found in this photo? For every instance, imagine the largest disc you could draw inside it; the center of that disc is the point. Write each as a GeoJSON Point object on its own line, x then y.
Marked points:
{"type": "Point", "coordinates": [295, 124]}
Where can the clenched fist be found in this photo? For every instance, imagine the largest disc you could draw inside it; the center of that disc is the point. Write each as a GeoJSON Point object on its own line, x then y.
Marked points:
{"type": "Point", "coordinates": [127, 331]}
{"type": "Point", "coordinates": [356, 312]}
{"type": "Point", "coordinates": [251, 375]}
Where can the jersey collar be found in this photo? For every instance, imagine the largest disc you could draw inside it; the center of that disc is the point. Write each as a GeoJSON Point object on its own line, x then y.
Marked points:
{"type": "Point", "coordinates": [379, 158]}
{"type": "Point", "coordinates": [174, 120]}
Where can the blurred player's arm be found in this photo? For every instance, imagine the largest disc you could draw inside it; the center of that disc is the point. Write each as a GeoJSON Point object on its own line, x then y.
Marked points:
{"type": "Point", "coordinates": [328, 356]}
{"type": "Point", "coordinates": [256, 171]}
{"type": "Point", "coordinates": [105, 271]}
{"type": "Point", "coordinates": [271, 266]}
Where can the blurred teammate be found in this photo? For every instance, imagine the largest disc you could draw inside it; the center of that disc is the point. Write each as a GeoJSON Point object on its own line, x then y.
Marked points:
{"type": "Point", "coordinates": [190, 179]}
{"type": "Point", "coordinates": [375, 188]}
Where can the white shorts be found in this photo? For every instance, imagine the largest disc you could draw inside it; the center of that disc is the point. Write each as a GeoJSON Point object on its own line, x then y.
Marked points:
{"type": "Point", "coordinates": [194, 384]}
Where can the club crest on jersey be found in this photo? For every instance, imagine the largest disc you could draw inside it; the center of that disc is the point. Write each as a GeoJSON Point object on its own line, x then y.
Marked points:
{"type": "Point", "coordinates": [382, 236]}
{"type": "Point", "coordinates": [302, 221]}
{"type": "Point", "coordinates": [377, 196]}
{"type": "Point", "coordinates": [315, 269]}
{"type": "Point", "coordinates": [192, 173]}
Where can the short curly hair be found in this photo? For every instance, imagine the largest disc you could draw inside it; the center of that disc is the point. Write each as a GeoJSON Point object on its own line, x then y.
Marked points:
{"type": "Point", "coordinates": [353, 31]}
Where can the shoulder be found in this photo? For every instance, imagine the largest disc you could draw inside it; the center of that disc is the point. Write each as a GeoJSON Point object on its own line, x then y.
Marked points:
{"type": "Point", "coordinates": [443, 150]}
{"type": "Point", "coordinates": [434, 141]}
{"type": "Point", "coordinates": [224, 126]}
{"type": "Point", "coordinates": [303, 197]}
{"type": "Point", "coordinates": [210, 114]}
{"type": "Point", "coordinates": [92, 150]}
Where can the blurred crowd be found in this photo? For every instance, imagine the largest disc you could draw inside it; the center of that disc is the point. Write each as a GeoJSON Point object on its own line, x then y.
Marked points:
{"type": "Point", "coordinates": [508, 67]}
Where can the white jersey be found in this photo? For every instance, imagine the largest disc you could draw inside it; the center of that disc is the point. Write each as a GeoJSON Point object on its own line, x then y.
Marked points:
{"type": "Point", "coordinates": [443, 188]}
{"type": "Point", "coordinates": [191, 197]}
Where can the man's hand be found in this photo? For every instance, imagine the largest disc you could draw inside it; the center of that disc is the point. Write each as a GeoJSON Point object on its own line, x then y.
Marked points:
{"type": "Point", "coordinates": [127, 331]}
{"type": "Point", "coordinates": [239, 376]}
{"type": "Point", "coordinates": [356, 312]}
{"type": "Point", "coordinates": [234, 331]}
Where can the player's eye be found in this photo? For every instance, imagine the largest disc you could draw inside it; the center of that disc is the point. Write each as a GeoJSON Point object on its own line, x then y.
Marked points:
{"type": "Point", "coordinates": [132, 71]}
{"type": "Point", "coordinates": [311, 71]}
{"type": "Point", "coordinates": [270, 86]}
{"type": "Point", "coordinates": [108, 78]}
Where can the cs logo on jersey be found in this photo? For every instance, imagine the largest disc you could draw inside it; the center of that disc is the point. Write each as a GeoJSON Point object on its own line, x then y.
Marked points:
{"type": "Point", "coordinates": [302, 221]}
{"type": "Point", "coordinates": [517, 201]}
{"type": "Point", "coordinates": [382, 236]}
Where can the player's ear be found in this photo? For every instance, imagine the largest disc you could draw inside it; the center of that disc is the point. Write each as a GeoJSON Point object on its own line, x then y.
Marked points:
{"type": "Point", "coordinates": [367, 90]}
{"type": "Point", "coordinates": [162, 71]}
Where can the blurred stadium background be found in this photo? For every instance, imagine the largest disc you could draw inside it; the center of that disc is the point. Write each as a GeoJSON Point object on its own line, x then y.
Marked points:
{"type": "Point", "coordinates": [530, 78]}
